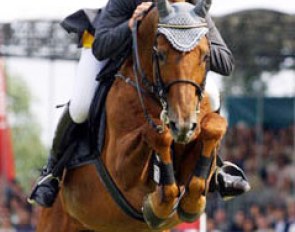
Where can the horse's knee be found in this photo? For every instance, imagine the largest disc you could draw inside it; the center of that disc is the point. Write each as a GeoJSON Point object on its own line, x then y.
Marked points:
{"type": "Point", "coordinates": [213, 127]}
{"type": "Point", "coordinates": [197, 186]}
{"type": "Point", "coordinates": [170, 193]}
{"type": "Point", "coordinates": [165, 195]}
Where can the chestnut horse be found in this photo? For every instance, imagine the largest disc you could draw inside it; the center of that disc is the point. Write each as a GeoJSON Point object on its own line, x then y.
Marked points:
{"type": "Point", "coordinates": [135, 131]}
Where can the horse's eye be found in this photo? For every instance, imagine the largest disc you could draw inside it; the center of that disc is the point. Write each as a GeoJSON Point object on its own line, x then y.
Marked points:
{"type": "Point", "coordinates": [161, 56]}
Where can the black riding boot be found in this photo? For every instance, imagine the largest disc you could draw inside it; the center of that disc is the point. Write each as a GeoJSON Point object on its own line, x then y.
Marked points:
{"type": "Point", "coordinates": [46, 189]}
{"type": "Point", "coordinates": [229, 180]}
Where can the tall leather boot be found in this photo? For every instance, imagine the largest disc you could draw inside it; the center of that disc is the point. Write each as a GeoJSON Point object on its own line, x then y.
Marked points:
{"type": "Point", "coordinates": [47, 186]}
{"type": "Point", "coordinates": [229, 180]}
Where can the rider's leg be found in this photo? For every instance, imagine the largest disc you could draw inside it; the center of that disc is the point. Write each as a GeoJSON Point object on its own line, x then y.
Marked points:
{"type": "Point", "coordinates": [46, 189]}
{"type": "Point", "coordinates": [229, 179]}
{"type": "Point", "coordinates": [84, 85]}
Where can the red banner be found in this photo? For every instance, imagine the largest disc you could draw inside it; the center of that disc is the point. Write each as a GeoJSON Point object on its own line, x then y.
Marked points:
{"type": "Point", "coordinates": [7, 168]}
{"type": "Point", "coordinates": [197, 226]}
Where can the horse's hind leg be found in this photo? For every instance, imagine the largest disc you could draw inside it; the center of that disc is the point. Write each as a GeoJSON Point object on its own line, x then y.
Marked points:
{"type": "Point", "coordinates": [192, 205]}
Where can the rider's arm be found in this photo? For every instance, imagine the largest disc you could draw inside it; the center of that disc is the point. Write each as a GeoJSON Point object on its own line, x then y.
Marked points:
{"type": "Point", "coordinates": [222, 60]}
{"type": "Point", "coordinates": [113, 34]}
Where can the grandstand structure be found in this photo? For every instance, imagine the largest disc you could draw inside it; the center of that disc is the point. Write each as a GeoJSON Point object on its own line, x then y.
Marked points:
{"type": "Point", "coordinates": [47, 40]}
{"type": "Point", "coordinates": [37, 39]}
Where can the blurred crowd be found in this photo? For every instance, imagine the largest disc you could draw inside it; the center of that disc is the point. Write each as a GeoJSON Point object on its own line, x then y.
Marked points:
{"type": "Point", "coordinates": [268, 158]}
{"type": "Point", "coordinates": [16, 215]}
{"type": "Point", "coordinates": [267, 218]}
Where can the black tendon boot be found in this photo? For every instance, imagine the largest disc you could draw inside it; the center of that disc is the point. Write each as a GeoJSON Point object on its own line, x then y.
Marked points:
{"type": "Point", "coordinates": [229, 180]}
{"type": "Point", "coordinates": [47, 186]}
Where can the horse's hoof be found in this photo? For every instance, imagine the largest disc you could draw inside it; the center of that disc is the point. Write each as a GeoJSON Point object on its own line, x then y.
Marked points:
{"type": "Point", "coordinates": [187, 217]}
{"type": "Point", "coordinates": [152, 220]}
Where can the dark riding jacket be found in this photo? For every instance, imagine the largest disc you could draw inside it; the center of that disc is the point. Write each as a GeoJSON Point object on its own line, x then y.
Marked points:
{"type": "Point", "coordinates": [113, 37]}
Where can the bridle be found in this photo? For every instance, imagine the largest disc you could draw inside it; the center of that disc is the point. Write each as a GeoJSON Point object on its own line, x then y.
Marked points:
{"type": "Point", "coordinates": [166, 87]}
{"type": "Point", "coordinates": [158, 89]}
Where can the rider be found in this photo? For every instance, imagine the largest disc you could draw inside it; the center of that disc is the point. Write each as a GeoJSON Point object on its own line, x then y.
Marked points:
{"type": "Point", "coordinates": [112, 44]}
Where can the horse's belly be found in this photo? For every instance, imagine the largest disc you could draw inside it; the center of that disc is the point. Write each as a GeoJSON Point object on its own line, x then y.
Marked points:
{"type": "Point", "coordinates": [86, 200]}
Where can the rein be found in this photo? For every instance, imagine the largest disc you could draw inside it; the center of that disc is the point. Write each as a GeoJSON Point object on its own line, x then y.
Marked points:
{"type": "Point", "coordinates": [138, 70]}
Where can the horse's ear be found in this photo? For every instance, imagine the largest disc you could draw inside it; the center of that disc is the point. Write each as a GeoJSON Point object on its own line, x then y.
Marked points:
{"type": "Point", "coordinates": [202, 7]}
{"type": "Point", "coordinates": [164, 8]}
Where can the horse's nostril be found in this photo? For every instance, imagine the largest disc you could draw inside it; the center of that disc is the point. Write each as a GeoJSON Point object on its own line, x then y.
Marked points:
{"type": "Point", "coordinates": [193, 126]}
{"type": "Point", "coordinates": [173, 126]}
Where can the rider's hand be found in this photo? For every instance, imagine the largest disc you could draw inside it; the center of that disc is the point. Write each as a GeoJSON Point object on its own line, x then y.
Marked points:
{"type": "Point", "coordinates": [139, 12]}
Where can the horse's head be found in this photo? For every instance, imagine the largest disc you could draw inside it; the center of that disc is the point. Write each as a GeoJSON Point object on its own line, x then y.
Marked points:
{"type": "Point", "coordinates": [179, 54]}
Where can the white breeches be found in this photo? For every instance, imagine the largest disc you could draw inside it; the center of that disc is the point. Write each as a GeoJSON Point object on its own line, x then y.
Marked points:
{"type": "Point", "coordinates": [84, 85]}
{"type": "Point", "coordinates": [213, 92]}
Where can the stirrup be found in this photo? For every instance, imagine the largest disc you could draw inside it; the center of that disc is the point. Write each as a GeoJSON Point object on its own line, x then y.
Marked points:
{"type": "Point", "coordinates": [48, 177]}
{"type": "Point", "coordinates": [42, 180]}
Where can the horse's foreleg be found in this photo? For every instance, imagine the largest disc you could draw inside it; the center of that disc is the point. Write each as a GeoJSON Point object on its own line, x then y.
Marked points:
{"type": "Point", "coordinates": [158, 206]}
{"type": "Point", "coordinates": [192, 205]}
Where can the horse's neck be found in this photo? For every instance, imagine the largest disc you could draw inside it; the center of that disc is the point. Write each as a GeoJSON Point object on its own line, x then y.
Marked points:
{"type": "Point", "coordinates": [128, 71]}
{"type": "Point", "coordinates": [127, 68]}
{"type": "Point", "coordinates": [126, 152]}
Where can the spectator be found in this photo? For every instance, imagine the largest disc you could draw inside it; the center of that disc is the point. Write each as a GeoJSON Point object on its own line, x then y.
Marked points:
{"type": "Point", "coordinates": [221, 220]}
{"type": "Point", "coordinates": [24, 224]}
{"type": "Point", "coordinates": [263, 225]}
{"type": "Point", "coordinates": [280, 223]}
{"type": "Point", "coordinates": [291, 216]}
{"type": "Point", "coordinates": [15, 212]}
{"type": "Point", "coordinates": [248, 225]}
{"type": "Point", "coordinates": [237, 225]}
{"type": "Point", "coordinates": [6, 225]}
{"type": "Point", "coordinates": [255, 211]}
{"type": "Point", "coordinates": [211, 226]}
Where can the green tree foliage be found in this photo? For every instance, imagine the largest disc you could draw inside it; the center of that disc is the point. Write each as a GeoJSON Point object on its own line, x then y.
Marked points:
{"type": "Point", "coordinates": [261, 41]}
{"type": "Point", "coordinates": [29, 152]}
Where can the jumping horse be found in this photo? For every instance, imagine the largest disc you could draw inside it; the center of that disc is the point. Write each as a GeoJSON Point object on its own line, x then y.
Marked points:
{"type": "Point", "coordinates": [158, 117]}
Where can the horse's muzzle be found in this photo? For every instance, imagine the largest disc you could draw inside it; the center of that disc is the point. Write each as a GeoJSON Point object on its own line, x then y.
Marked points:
{"type": "Point", "coordinates": [183, 133]}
